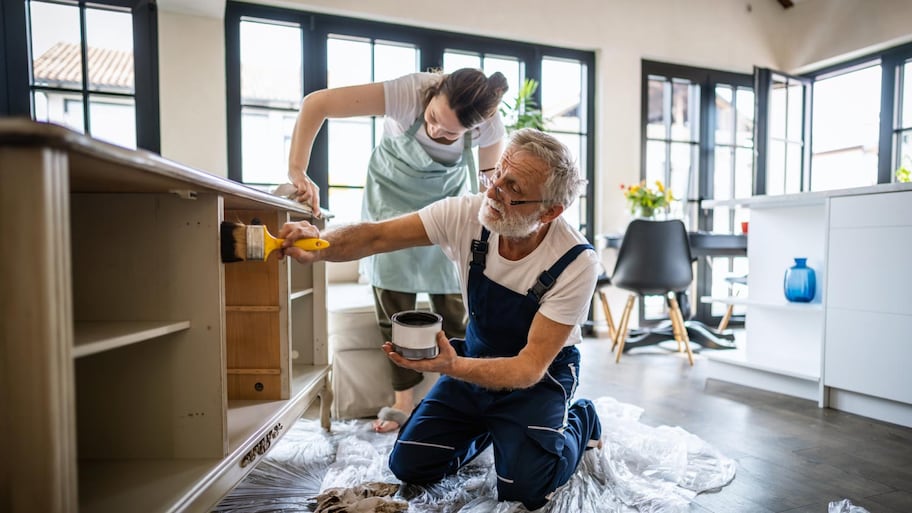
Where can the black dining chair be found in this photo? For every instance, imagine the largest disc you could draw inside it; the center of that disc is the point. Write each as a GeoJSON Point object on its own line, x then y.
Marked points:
{"type": "Point", "coordinates": [654, 259]}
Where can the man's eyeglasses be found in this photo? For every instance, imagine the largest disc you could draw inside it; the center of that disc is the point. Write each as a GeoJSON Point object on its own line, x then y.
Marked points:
{"type": "Point", "coordinates": [488, 182]}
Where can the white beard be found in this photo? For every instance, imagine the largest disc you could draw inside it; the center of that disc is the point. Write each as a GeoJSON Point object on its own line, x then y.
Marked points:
{"type": "Point", "coordinates": [512, 226]}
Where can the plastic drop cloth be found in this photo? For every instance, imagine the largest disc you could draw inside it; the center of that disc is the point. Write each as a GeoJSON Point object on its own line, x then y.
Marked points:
{"type": "Point", "coordinates": [845, 506]}
{"type": "Point", "coordinates": [640, 468]}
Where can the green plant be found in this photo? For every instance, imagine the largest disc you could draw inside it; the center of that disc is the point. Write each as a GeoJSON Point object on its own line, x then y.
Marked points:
{"type": "Point", "coordinates": [903, 174]}
{"type": "Point", "coordinates": [524, 112]}
{"type": "Point", "coordinates": [647, 200]}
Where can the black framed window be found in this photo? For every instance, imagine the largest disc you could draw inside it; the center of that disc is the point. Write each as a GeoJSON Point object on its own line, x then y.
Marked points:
{"type": "Point", "coordinates": [880, 135]}
{"type": "Point", "coordinates": [697, 137]}
{"type": "Point", "coordinates": [333, 51]}
{"type": "Point", "coordinates": [92, 67]}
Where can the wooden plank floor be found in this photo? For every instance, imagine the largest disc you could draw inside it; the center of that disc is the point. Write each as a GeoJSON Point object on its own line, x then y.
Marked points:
{"type": "Point", "coordinates": [791, 455]}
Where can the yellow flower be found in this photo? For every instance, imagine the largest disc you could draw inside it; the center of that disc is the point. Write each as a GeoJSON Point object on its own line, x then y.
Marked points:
{"type": "Point", "coordinates": [645, 199]}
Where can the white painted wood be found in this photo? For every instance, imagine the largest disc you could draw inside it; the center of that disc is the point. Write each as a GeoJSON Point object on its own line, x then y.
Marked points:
{"type": "Point", "coordinates": [868, 352]}
{"type": "Point", "coordinates": [804, 198]}
{"type": "Point", "coordinates": [874, 407]}
{"type": "Point", "coordinates": [97, 336]}
{"type": "Point", "coordinates": [116, 345]}
{"type": "Point", "coordinates": [880, 210]}
{"type": "Point", "coordinates": [37, 397]}
{"type": "Point", "coordinates": [153, 258]}
{"type": "Point", "coordinates": [777, 237]}
{"type": "Point", "coordinates": [746, 301]}
{"type": "Point", "coordinates": [869, 267]}
{"type": "Point", "coordinates": [725, 366]}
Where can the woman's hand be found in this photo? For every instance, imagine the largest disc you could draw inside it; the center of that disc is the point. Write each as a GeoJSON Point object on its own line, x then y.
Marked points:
{"type": "Point", "coordinates": [307, 191]}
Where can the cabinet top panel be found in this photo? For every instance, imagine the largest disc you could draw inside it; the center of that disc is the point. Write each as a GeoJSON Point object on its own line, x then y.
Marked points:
{"type": "Point", "coordinates": [97, 166]}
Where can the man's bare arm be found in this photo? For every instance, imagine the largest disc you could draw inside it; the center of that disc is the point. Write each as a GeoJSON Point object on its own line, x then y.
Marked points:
{"type": "Point", "coordinates": [546, 339]}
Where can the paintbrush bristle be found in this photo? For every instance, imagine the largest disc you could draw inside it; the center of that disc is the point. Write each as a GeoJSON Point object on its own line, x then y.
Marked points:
{"type": "Point", "coordinates": [233, 242]}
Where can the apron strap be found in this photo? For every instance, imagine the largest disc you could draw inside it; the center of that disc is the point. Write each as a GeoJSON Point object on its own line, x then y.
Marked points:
{"type": "Point", "coordinates": [415, 126]}
{"type": "Point", "coordinates": [547, 278]}
{"type": "Point", "coordinates": [468, 159]}
{"type": "Point", "coordinates": [480, 249]}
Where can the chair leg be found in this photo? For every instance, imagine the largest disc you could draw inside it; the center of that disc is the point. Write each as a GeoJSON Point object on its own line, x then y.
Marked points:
{"type": "Point", "coordinates": [676, 328]}
{"type": "Point", "coordinates": [725, 318]}
{"type": "Point", "coordinates": [621, 333]}
{"type": "Point", "coordinates": [676, 311]}
{"type": "Point", "coordinates": [603, 298]}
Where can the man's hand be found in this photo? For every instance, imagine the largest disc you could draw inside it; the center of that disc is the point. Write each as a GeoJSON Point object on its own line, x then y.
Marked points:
{"type": "Point", "coordinates": [294, 231]}
{"type": "Point", "coordinates": [442, 363]}
{"type": "Point", "coordinates": [308, 192]}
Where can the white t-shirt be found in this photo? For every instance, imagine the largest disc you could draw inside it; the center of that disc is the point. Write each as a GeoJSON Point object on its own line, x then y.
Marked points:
{"type": "Point", "coordinates": [452, 224]}
{"type": "Point", "coordinates": [404, 104]}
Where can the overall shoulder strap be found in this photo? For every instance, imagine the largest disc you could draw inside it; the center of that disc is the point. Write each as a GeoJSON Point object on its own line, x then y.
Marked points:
{"type": "Point", "coordinates": [547, 278]}
{"type": "Point", "coordinates": [480, 249]}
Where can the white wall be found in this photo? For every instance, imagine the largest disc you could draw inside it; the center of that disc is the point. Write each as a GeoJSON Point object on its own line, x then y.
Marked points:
{"type": "Point", "coordinates": [719, 34]}
{"type": "Point", "coordinates": [820, 32]}
{"type": "Point", "coordinates": [191, 67]}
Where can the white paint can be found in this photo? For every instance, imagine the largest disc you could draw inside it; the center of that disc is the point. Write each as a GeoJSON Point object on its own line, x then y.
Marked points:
{"type": "Point", "coordinates": [415, 334]}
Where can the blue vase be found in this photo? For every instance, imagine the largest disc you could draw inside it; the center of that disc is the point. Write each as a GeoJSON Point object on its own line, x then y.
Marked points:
{"type": "Point", "coordinates": [800, 282]}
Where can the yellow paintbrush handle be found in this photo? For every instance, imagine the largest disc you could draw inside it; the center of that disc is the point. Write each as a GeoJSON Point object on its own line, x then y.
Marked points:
{"type": "Point", "coordinates": [311, 244]}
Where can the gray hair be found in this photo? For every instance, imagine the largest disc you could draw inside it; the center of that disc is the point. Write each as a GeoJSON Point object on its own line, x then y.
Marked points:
{"type": "Point", "coordinates": [564, 183]}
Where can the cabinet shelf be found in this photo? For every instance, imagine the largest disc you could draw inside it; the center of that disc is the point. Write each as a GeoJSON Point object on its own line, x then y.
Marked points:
{"type": "Point", "coordinates": [297, 294]}
{"type": "Point", "coordinates": [166, 485]}
{"type": "Point", "coordinates": [744, 301]}
{"type": "Point", "coordinates": [91, 337]}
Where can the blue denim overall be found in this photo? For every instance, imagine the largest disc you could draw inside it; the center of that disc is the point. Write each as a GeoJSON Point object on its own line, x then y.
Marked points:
{"type": "Point", "coordinates": [538, 437]}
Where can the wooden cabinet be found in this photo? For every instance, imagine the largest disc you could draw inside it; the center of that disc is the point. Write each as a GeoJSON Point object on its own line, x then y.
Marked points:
{"type": "Point", "coordinates": [139, 372]}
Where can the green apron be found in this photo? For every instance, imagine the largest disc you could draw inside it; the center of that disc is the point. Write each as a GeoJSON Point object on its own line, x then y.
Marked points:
{"type": "Point", "coordinates": [402, 178]}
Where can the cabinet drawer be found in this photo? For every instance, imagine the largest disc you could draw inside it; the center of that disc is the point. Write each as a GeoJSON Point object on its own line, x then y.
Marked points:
{"type": "Point", "coordinates": [869, 353]}
{"type": "Point", "coordinates": [887, 209]}
{"type": "Point", "coordinates": [867, 269]}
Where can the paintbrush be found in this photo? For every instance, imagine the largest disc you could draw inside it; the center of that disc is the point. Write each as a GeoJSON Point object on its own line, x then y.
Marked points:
{"type": "Point", "coordinates": [254, 242]}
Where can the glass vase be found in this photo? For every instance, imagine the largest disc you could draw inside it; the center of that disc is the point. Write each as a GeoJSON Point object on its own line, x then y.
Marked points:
{"type": "Point", "coordinates": [644, 212]}
{"type": "Point", "coordinates": [800, 282]}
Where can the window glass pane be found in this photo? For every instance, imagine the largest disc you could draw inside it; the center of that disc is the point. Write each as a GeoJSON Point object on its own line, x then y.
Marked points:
{"type": "Point", "coordinates": [907, 95]}
{"type": "Point", "coordinates": [392, 60]}
{"type": "Point", "coordinates": [725, 115]}
{"type": "Point", "coordinates": [350, 146]}
{"type": "Point", "coordinates": [561, 92]}
{"type": "Point", "coordinates": [905, 149]}
{"type": "Point", "coordinates": [777, 106]}
{"type": "Point", "coordinates": [346, 205]}
{"type": "Point", "coordinates": [846, 133]}
{"type": "Point", "coordinates": [510, 68]}
{"type": "Point", "coordinates": [792, 168]}
{"type": "Point", "coordinates": [745, 123]}
{"type": "Point", "coordinates": [720, 222]}
{"type": "Point", "coordinates": [775, 167]}
{"type": "Point", "coordinates": [270, 64]}
{"type": "Point", "coordinates": [113, 119]}
{"type": "Point", "coordinates": [265, 136]}
{"type": "Point", "coordinates": [59, 107]}
{"type": "Point", "coordinates": [655, 161]}
{"type": "Point", "coordinates": [348, 61]}
{"type": "Point", "coordinates": [109, 37]}
{"type": "Point", "coordinates": [744, 172]}
{"type": "Point", "coordinates": [795, 109]}
{"type": "Point", "coordinates": [656, 113]}
{"type": "Point", "coordinates": [722, 184]}
{"type": "Point", "coordinates": [453, 60]}
{"type": "Point", "coordinates": [685, 109]}
{"type": "Point", "coordinates": [56, 53]}
{"type": "Point", "coordinates": [683, 162]}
